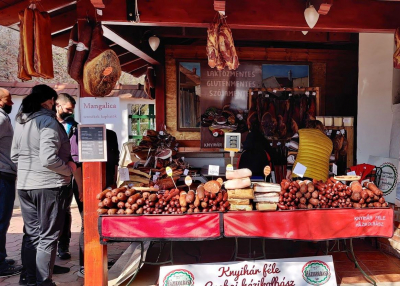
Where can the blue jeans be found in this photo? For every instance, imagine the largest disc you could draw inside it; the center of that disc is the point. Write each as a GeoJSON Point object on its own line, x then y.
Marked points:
{"type": "Point", "coordinates": [7, 197]}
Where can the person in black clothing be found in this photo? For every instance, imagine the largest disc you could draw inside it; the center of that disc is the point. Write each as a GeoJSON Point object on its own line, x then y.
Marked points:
{"type": "Point", "coordinates": [254, 156]}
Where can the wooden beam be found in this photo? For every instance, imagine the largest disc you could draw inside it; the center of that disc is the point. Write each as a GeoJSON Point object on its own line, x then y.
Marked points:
{"type": "Point", "coordinates": [139, 72]}
{"type": "Point", "coordinates": [135, 65]}
{"type": "Point", "coordinates": [61, 39]}
{"type": "Point", "coordinates": [98, 4]}
{"type": "Point", "coordinates": [127, 58]}
{"type": "Point", "coordinates": [63, 22]}
{"type": "Point", "coordinates": [352, 16]}
{"type": "Point", "coordinates": [95, 254]}
{"type": "Point", "coordinates": [120, 37]}
{"type": "Point", "coordinates": [160, 97]}
{"type": "Point", "coordinates": [9, 15]}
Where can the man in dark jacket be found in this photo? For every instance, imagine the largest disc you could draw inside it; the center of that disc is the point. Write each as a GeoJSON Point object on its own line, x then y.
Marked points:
{"type": "Point", "coordinates": [65, 106]}
{"type": "Point", "coordinates": [8, 174]}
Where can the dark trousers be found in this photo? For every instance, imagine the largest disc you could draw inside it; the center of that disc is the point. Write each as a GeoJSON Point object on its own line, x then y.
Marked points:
{"type": "Point", "coordinates": [80, 207]}
{"type": "Point", "coordinates": [7, 197]}
{"type": "Point", "coordinates": [65, 237]}
{"type": "Point", "coordinates": [43, 211]}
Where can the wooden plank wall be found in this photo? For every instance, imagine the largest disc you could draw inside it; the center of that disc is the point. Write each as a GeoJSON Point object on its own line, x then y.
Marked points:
{"type": "Point", "coordinates": [334, 71]}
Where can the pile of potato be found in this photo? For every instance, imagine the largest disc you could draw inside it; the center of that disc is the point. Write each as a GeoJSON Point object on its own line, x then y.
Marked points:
{"type": "Point", "coordinates": [331, 194]}
{"type": "Point", "coordinates": [175, 201]}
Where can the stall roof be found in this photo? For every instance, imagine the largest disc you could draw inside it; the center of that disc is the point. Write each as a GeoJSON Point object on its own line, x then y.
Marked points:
{"type": "Point", "coordinates": [120, 90]}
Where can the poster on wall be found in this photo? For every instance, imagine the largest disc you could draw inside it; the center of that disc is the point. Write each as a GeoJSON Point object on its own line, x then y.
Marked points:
{"type": "Point", "coordinates": [301, 271]}
{"type": "Point", "coordinates": [277, 76]}
{"type": "Point", "coordinates": [386, 176]}
{"type": "Point", "coordinates": [100, 110]}
{"type": "Point", "coordinates": [224, 101]}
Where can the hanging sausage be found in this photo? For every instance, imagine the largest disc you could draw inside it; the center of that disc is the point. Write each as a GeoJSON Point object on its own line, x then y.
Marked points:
{"type": "Point", "coordinates": [82, 51]}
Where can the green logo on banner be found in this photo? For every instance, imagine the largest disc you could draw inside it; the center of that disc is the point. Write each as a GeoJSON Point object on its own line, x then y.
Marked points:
{"type": "Point", "coordinates": [179, 277]}
{"type": "Point", "coordinates": [316, 272]}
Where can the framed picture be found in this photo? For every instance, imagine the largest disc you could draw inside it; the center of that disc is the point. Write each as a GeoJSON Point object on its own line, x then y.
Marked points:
{"type": "Point", "coordinates": [283, 75]}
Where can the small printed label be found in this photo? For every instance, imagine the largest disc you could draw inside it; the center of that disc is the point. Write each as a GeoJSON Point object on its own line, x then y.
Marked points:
{"type": "Point", "coordinates": [99, 12]}
{"type": "Point", "coordinates": [229, 167]}
{"type": "Point", "coordinates": [169, 171]}
{"type": "Point", "coordinates": [213, 170]}
{"type": "Point", "coordinates": [300, 170]}
{"type": "Point", "coordinates": [342, 131]}
{"type": "Point", "coordinates": [124, 174]}
{"type": "Point", "coordinates": [334, 168]}
{"type": "Point", "coordinates": [185, 172]}
{"type": "Point", "coordinates": [352, 173]}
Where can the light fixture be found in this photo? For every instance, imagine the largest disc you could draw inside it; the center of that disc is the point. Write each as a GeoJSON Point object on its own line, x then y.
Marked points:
{"type": "Point", "coordinates": [154, 42]}
{"type": "Point", "coordinates": [304, 32]}
{"type": "Point", "coordinates": [311, 16]}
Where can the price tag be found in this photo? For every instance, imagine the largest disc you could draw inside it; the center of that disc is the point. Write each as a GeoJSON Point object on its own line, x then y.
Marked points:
{"type": "Point", "coordinates": [124, 174]}
{"type": "Point", "coordinates": [307, 93]}
{"type": "Point", "coordinates": [169, 171]}
{"type": "Point", "coordinates": [229, 167]}
{"type": "Point", "coordinates": [185, 172]}
{"type": "Point", "coordinates": [352, 173]}
{"type": "Point", "coordinates": [274, 91]}
{"type": "Point", "coordinates": [155, 177]}
{"type": "Point", "coordinates": [267, 171]}
{"type": "Point", "coordinates": [213, 170]}
{"type": "Point", "coordinates": [300, 170]}
{"type": "Point", "coordinates": [342, 131]}
{"type": "Point", "coordinates": [188, 181]}
{"type": "Point", "coordinates": [334, 168]}
{"type": "Point", "coordinates": [99, 12]}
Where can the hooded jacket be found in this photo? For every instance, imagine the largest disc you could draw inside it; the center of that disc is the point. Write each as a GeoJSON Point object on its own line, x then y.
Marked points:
{"type": "Point", "coordinates": [41, 150]}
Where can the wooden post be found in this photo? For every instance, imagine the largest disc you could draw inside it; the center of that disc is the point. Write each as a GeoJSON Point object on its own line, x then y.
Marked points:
{"type": "Point", "coordinates": [160, 96]}
{"type": "Point", "coordinates": [95, 254]}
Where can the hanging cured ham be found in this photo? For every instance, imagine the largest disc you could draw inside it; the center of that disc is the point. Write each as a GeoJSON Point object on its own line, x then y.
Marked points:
{"type": "Point", "coordinates": [102, 68]}
{"type": "Point", "coordinates": [220, 48]}
{"type": "Point", "coordinates": [227, 47]}
{"type": "Point", "coordinates": [35, 52]}
{"type": "Point", "coordinates": [396, 56]}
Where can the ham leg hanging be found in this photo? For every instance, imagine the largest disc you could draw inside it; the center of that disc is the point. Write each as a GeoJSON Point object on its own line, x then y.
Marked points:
{"type": "Point", "coordinates": [227, 47]}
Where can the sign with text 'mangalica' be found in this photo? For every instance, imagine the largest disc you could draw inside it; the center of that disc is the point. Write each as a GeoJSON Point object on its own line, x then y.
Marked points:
{"type": "Point", "coordinates": [302, 271]}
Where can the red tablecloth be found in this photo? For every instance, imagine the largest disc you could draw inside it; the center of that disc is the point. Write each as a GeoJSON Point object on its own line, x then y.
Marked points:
{"type": "Point", "coordinates": [320, 224]}
{"type": "Point", "coordinates": [159, 227]}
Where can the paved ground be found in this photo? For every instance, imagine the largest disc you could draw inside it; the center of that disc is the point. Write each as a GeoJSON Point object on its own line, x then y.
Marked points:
{"type": "Point", "coordinates": [14, 238]}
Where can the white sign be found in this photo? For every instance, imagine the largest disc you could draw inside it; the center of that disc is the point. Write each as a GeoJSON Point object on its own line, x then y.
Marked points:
{"type": "Point", "coordinates": [185, 172]}
{"type": "Point", "coordinates": [213, 170]}
{"type": "Point", "coordinates": [124, 174]}
{"type": "Point", "coordinates": [302, 271]}
{"type": "Point", "coordinates": [100, 110]}
{"type": "Point", "coordinates": [300, 170]}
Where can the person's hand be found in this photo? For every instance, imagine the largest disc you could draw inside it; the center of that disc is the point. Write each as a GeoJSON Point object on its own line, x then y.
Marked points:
{"type": "Point", "coordinates": [288, 175]}
{"type": "Point", "coordinates": [72, 165]}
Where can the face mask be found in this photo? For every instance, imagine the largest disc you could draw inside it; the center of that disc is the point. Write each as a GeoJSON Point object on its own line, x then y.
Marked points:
{"type": "Point", "coordinates": [63, 115]}
{"type": "Point", "coordinates": [7, 108]}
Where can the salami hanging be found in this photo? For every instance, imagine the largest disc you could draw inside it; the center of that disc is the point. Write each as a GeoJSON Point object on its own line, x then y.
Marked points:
{"type": "Point", "coordinates": [73, 41]}
{"type": "Point", "coordinates": [102, 68]}
{"type": "Point", "coordinates": [82, 52]}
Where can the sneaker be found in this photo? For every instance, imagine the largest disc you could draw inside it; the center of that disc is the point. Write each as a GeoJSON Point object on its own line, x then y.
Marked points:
{"type": "Point", "coordinates": [11, 270]}
{"type": "Point", "coordinates": [64, 253]}
{"type": "Point", "coordinates": [60, 270]}
{"type": "Point", "coordinates": [10, 261]}
{"type": "Point", "coordinates": [81, 272]}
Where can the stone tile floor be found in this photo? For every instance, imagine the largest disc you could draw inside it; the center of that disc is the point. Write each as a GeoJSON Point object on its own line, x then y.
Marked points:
{"type": "Point", "coordinates": [385, 269]}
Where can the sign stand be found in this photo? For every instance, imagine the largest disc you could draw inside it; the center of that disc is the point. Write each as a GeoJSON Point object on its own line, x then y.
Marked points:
{"type": "Point", "coordinates": [232, 142]}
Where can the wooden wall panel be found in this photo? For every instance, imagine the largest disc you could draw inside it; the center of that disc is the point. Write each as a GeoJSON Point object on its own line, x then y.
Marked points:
{"type": "Point", "coordinates": [334, 71]}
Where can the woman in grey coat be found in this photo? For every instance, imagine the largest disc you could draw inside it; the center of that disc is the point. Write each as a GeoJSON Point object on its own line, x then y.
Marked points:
{"type": "Point", "coordinates": [41, 150]}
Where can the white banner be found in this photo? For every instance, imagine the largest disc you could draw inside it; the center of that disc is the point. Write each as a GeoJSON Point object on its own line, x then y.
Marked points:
{"type": "Point", "coordinates": [302, 271]}
{"type": "Point", "coordinates": [100, 110]}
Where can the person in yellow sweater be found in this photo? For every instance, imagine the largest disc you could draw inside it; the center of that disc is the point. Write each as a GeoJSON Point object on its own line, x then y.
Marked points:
{"type": "Point", "coordinates": [314, 152]}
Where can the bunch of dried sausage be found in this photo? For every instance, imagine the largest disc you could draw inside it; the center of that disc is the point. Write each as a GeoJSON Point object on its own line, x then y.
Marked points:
{"type": "Point", "coordinates": [331, 194]}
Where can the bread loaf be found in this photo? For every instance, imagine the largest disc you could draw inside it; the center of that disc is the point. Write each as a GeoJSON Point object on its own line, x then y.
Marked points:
{"type": "Point", "coordinates": [239, 201]}
{"type": "Point", "coordinates": [266, 206]}
{"type": "Point", "coordinates": [241, 207]}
